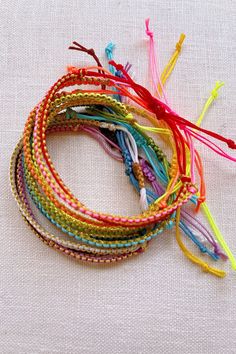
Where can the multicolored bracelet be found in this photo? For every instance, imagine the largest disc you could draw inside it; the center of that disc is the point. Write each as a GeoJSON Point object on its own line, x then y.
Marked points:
{"type": "Point", "coordinates": [111, 113]}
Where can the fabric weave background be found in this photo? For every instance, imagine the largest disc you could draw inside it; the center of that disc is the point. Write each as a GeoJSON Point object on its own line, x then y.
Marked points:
{"type": "Point", "coordinates": [157, 302]}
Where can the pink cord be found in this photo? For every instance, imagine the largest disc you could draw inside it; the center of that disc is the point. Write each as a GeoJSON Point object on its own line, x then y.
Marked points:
{"type": "Point", "coordinates": [104, 142]}
{"type": "Point", "coordinates": [192, 154]}
{"type": "Point", "coordinates": [210, 144]}
{"type": "Point", "coordinates": [155, 71]}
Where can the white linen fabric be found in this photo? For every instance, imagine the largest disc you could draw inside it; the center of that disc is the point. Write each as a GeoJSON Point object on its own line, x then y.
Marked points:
{"type": "Point", "coordinates": [157, 302]}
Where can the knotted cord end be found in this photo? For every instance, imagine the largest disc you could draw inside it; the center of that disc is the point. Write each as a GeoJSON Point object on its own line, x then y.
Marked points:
{"type": "Point", "coordinates": [148, 32]}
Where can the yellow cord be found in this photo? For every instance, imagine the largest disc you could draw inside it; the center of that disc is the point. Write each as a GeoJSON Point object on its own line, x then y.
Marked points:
{"type": "Point", "coordinates": [153, 129]}
{"type": "Point", "coordinates": [213, 96]}
{"type": "Point", "coordinates": [204, 206]}
{"type": "Point", "coordinates": [205, 267]}
{"type": "Point", "coordinates": [171, 64]}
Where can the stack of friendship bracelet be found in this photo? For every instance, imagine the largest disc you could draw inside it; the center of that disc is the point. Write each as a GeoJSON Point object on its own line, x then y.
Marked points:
{"type": "Point", "coordinates": [109, 106]}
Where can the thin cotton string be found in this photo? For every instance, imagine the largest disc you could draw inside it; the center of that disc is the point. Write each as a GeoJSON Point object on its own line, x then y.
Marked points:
{"type": "Point", "coordinates": [213, 96]}
{"type": "Point", "coordinates": [171, 64]}
{"type": "Point", "coordinates": [205, 267]}
{"type": "Point", "coordinates": [101, 237]}
{"type": "Point", "coordinates": [154, 67]}
{"type": "Point", "coordinates": [204, 206]}
{"type": "Point", "coordinates": [109, 53]}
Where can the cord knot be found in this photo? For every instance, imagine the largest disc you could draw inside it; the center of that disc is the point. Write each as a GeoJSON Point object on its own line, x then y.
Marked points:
{"type": "Point", "coordinates": [118, 67]}
{"type": "Point", "coordinates": [205, 267]}
{"type": "Point", "coordinates": [150, 175]}
{"type": "Point", "coordinates": [185, 179]}
{"type": "Point", "coordinates": [202, 248]}
{"type": "Point", "coordinates": [90, 51]}
{"type": "Point", "coordinates": [178, 45]}
{"type": "Point", "coordinates": [109, 49]}
{"type": "Point", "coordinates": [201, 199]}
{"type": "Point", "coordinates": [162, 204]}
{"type": "Point", "coordinates": [71, 69]}
{"type": "Point", "coordinates": [214, 94]}
{"type": "Point", "coordinates": [157, 108]}
{"type": "Point", "coordinates": [148, 32]}
{"type": "Point", "coordinates": [231, 144]}
{"type": "Point", "coordinates": [218, 252]}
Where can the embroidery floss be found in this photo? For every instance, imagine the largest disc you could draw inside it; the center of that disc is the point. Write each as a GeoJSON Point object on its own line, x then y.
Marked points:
{"type": "Point", "coordinates": [163, 186]}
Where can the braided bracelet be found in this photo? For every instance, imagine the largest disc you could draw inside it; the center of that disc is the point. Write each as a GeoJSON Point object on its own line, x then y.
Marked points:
{"type": "Point", "coordinates": [163, 186]}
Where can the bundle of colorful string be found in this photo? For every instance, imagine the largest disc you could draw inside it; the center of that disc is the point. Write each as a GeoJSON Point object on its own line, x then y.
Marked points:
{"type": "Point", "coordinates": [110, 111]}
